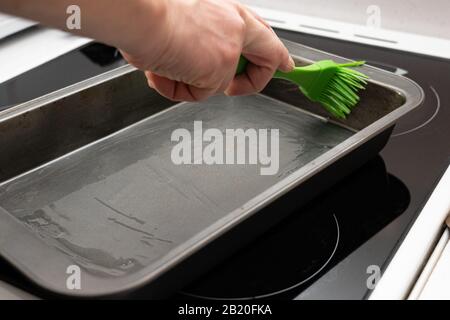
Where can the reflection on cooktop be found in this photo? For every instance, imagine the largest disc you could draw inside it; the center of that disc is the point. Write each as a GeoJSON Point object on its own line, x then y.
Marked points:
{"type": "Point", "coordinates": [78, 65]}
{"type": "Point", "coordinates": [289, 257]}
{"type": "Point", "coordinates": [424, 114]}
{"type": "Point", "coordinates": [418, 120]}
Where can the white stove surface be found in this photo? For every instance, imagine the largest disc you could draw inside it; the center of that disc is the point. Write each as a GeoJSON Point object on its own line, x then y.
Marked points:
{"type": "Point", "coordinates": [405, 271]}
{"type": "Point", "coordinates": [10, 25]}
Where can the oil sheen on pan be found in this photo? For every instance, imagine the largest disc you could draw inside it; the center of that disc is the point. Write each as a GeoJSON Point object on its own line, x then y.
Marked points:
{"type": "Point", "coordinates": [120, 204]}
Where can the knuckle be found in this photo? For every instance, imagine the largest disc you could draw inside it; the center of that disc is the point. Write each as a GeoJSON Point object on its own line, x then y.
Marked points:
{"type": "Point", "coordinates": [231, 55]}
{"type": "Point", "coordinates": [167, 96]}
{"type": "Point", "coordinates": [278, 56]}
{"type": "Point", "coordinates": [240, 25]}
{"type": "Point", "coordinates": [264, 78]}
{"type": "Point", "coordinates": [260, 83]}
{"type": "Point", "coordinates": [284, 51]}
{"type": "Point", "coordinates": [199, 95]}
{"type": "Point", "coordinates": [203, 82]}
{"type": "Point", "coordinates": [279, 52]}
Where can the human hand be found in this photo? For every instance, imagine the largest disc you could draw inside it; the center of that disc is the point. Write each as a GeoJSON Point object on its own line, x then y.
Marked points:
{"type": "Point", "coordinates": [194, 51]}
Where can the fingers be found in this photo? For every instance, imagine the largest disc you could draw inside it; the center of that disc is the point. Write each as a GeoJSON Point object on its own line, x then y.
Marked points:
{"type": "Point", "coordinates": [177, 91]}
{"type": "Point", "coordinates": [286, 63]}
{"type": "Point", "coordinates": [253, 80]}
{"type": "Point", "coordinates": [182, 76]}
{"type": "Point", "coordinates": [266, 54]}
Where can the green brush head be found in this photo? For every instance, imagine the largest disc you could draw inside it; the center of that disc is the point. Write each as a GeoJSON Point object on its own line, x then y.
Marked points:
{"type": "Point", "coordinates": [334, 86]}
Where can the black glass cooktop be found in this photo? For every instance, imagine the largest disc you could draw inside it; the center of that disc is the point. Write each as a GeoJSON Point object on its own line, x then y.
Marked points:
{"type": "Point", "coordinates": [288, 258]}
{"type": "Point", "coordinates": [64, 71]}
{"type": "Point", "coordinates": [331, 247]}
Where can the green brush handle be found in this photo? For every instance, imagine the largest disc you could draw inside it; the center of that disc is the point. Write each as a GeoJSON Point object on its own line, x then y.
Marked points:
{"type": "Point", "coordinates": [294, 74]}
{"type": "Point", "coordinates": [242, 65]}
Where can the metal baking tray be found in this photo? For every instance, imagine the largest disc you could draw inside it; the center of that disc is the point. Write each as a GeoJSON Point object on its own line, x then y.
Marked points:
{"type": "Point", "coordinates": [86, 177]}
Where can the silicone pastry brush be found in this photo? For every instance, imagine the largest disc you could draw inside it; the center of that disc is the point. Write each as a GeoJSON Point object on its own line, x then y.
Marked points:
{"type": "Point", "coordinates": [334, 86]}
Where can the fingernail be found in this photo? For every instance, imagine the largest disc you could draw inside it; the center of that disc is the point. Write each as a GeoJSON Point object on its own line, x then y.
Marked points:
{"type": "Point", "coordinates": [291, 63]}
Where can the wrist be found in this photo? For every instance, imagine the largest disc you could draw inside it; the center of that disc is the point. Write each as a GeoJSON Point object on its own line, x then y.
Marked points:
{"type": "Point", "coordinates": [146, 23]}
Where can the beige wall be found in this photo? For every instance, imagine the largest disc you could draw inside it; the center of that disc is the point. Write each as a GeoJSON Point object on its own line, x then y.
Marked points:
{"type": "Point", "coordinates": [430, 17]}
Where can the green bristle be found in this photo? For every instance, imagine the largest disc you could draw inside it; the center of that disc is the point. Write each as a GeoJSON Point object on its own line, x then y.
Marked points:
{"type": "Point", "coordinates": [333, 85]}
{"type": "Point", "coordinates": [340, 104]}
{"type": "Point", "coordinates": [358, 74]}
{"type": "Point", "coordinates": [324, 100]}
{"type": "Point", "coordinates": [344, 90]}
{"type": "Point", "coordinates": [348, 90]}
{"type": "Point", "coordinates": [337, 104]}
{"type": "Point", "coordinates": [351, 80]}
{"type": "Point", "coordinates": [352, 75]}
{"type": "Point", "coordinates": [340, 96]}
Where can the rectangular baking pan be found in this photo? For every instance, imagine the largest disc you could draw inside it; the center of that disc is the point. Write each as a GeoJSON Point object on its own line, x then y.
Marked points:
{"type": "Point", "coordinates": [86, 177]}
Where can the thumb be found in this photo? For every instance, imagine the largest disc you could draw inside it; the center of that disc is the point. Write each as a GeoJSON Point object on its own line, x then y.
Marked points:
{"type": "Point", "coordinates": [287, 62]}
